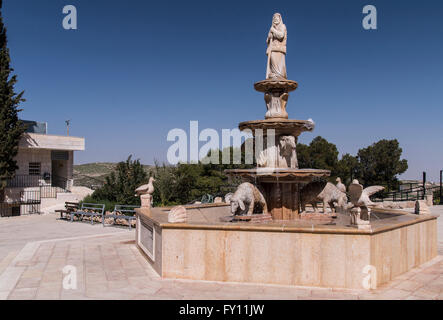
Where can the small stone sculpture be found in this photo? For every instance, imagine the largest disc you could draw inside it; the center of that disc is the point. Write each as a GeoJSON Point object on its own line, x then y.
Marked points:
{"type": "Point", "coordinates": [360, 204]}
{"type": "Point", "coordinates": [228, 197]}
{"type": "Point", "coordinates": [269, 155]}
{"type": "Point", "coordinates": [276, 104]}
{"type": "Point", "coordinates": [340, 185]}
{"type": "Point", "coordinates": [282, 155]}
{"type": "Point", "coordinates": [218, 200]}
{"type": "Point", "coordinates": [421, 207]}
{"type": "Point", "coordinates": [288, 155]}
{"type": "Point", "coordinates": [145, 192]}
{"type": "Point", "coordinates": [322, 191]}
{"type": "Point", "coordinates": [178, 215]}
{"type": "Point", "coordinates": [245, 198]}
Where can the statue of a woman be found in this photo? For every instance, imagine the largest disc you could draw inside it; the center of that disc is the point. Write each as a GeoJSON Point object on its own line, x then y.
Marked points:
{"type": "Point", "coordinates": [276, 68]}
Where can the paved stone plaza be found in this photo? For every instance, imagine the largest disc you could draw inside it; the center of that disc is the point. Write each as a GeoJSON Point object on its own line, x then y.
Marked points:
{"type": "Point", "coordinates": [35, 249]}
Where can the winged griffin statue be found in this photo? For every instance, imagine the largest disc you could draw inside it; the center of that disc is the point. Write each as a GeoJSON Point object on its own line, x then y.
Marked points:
{"type": "Point", "coordinates": [360, 204]}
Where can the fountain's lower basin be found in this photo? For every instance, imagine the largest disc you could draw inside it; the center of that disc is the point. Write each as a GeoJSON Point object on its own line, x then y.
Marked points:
{"type": "Point", "coordinates": [296, 252]}
{"type": "Point", "coordinates": [280, 187]}
{"type": "Point", "coordinates": [279, 175]}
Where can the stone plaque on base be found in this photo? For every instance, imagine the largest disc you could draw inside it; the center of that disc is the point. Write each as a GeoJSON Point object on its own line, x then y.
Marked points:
{"type": "Point", "coordinates": [146, 238]}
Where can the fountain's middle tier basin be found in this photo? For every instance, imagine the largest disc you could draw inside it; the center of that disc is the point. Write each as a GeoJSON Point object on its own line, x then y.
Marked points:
{"type": "Point", "coordinates": [281, 126]}
{"type": "Point", "coordinates": [282, 175]}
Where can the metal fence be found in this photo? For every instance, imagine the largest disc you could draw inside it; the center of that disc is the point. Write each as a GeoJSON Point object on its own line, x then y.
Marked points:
{"type": "Point", "coordinates": [49, 186]}
{"type": "Point", "coordinates": [27, 181]}
{"type": "Point", "coordinates": [28, 203]}
{"type": "Point", "coordinates": [415, 193]}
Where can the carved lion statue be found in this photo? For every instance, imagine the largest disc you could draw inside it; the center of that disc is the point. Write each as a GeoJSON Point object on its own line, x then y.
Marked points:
{"type": "Point", "coordinates": [322, 191]}
{"type": "Point", "coordinates": [245, 198]}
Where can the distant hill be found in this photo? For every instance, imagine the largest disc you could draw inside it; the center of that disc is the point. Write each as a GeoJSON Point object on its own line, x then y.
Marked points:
{"type": "Point", "coordinates": [95, 169]}
{"type": "Point", "coordinates": [93, 175]}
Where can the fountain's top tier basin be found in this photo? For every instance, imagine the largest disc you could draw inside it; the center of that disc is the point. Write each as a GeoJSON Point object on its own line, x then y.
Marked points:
{"type": "Point", "coordinates": [276, 84]}
{"type": "Point", "coordinates": [281, 126]}
{"type": "Point", "coordinates": [283, 175]}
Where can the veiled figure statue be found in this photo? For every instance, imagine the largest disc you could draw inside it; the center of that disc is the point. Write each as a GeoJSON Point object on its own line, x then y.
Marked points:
{"type": "Point", "coordinates": [277, 36]}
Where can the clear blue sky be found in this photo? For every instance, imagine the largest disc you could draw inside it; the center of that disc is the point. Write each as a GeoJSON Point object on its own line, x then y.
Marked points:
{"type": "Point", "coordinates": [136, 69]}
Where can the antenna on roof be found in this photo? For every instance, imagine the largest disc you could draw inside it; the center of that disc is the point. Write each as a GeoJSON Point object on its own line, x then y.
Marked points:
{"type": "Point", "coordinates": [68, 122]}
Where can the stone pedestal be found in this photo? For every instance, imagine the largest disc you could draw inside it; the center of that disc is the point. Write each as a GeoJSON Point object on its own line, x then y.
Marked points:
{"type": "Point", "coordinates": [282, 200]}
{"type": "Point", "coordinates": [276, 96]}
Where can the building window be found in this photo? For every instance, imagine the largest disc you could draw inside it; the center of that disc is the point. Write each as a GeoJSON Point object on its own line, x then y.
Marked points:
{"type": "Point", "coordinates": [59, 155]}
{"type": "Point", "coordinates": [34, 168]}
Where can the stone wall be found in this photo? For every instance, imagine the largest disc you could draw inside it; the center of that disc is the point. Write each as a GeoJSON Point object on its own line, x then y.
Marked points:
{"type": "Point", "coordinates": [294, 258]}
{"type": "Point", "coordinates": [25, 156]}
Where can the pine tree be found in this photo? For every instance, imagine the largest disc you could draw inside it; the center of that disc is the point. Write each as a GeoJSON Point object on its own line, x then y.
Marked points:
{"type": "Point", "coordinates": [11, 128]}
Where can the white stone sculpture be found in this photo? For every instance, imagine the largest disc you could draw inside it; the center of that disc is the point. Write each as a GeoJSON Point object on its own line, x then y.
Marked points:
{"type": "Point", "coordinates": [269, 154]}
{"type": "Point", "coordinates": [360, 204]}
{"type": "Point", "coordinates": [421, 207]}
{"type": "Point", "coordinates": [245, 198]}
{"type": "Point", "coordinates": [287, 153]}
{"type": "Point", "coordinates": [276, 104]}
{"type": "Point", "coordinates": [218, 200]}
{"type": "Point", "coordinates": [228, 197]}
{"type": "Point", "coordinates": [178, 215]}
{"type": "Point", "coordinates": [340, 185]}
{"type": "Point", "coordinates": [322, 191]}
{"type": "Point", "coordinates": [281, 155]}
{"type": "Point", "coordinates": [276, 52]}
{"type": "Point", "coordinates": [145, 192]}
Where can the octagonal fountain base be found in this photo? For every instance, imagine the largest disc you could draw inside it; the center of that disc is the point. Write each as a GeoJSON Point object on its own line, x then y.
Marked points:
{"type": "Point", "coordinates": [297, 252]}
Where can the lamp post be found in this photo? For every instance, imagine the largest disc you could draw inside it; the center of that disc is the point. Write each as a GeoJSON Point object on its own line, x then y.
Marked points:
{"type": "Point", "coordinates": [441, 174]}
{"type": "Point", "coordinates": [67, 126]}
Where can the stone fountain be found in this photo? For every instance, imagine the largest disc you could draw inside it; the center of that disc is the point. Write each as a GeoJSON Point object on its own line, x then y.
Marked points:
{"type": "Point", "coordinates": [277, 173]}
{"type": "Point", "coordinates": [358, 250]}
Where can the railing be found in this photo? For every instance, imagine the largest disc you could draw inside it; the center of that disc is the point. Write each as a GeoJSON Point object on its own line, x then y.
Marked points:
{"type": "Point", "coordinates": [30, 197]}
{"type": "Point", "coordinates": [49, 186]}
{"type": "Point", "coordinates": [26, 181]}
{"type": "Point", "coordinates": [28, 203]}
{"type": "Point", "coordinates": [60, 182]}
{"type": "Point", "coordinates": [437, 193]}
{"type": "Point", "coordinates": [415, 193]}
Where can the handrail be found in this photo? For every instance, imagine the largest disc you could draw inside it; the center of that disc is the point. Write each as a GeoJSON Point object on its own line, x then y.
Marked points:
{"type": "Point", "coordinates": [416, 193]}
{"type": "Point", "coordinates": [25, 181]}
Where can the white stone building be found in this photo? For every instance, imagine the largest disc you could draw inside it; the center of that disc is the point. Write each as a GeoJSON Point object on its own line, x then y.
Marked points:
{"type": "Point", "coordinates": [45, 173]}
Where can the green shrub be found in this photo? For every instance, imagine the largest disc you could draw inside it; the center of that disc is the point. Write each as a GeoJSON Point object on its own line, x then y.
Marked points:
{"type": "Point", "coordinates": [120, 185]}
{"type": "Point", "coordinates": [109, 205]}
